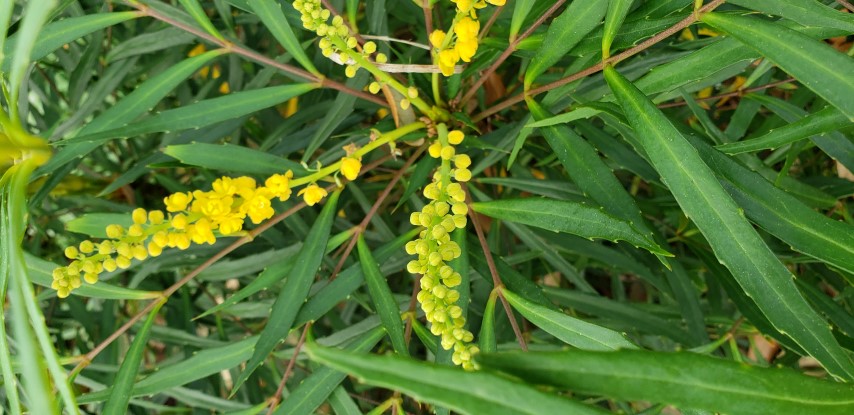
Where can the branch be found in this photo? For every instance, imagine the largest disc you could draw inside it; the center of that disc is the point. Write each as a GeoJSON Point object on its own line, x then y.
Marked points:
{"type": "Point", "coordinates": [600, 66]}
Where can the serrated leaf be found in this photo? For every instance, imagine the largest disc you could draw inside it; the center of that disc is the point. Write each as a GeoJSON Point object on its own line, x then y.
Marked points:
{"type": "Point", "coordinates": [685, 380]}
{"type": "Point", "coordinates": [572, 331]}
{"type": "Point", "coordinates": [570, 217]}
{"type": "Point", "coordinates": [817, 65]}
{"type": "Point", "coordinates": [735, 242]}
{"type": "Point", "coordinates": [295, 290]}
{"type": "Point", "coordinates": [472, 393]}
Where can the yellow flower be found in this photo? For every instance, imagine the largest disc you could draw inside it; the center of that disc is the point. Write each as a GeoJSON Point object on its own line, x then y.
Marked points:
{"type": "Point", "coordinates": [455, 137]}
{"type": "Point", "coordinates": [177, 202]}
{"type": "Point", "coordinates": [280, 185]}
{"type": "Point", "coordinates": [466, 29]}
{"type": "Point", "coordinates": [230, 224]}
{"type": "Point", "coordinates": [466, 49]}
{"type": "Point", "coordinates": [313, 194]}
{"type": "Point", "coordinates": [447, 59]}
{"type": "Point", "coordinates": [350, 167]}
{"type": "Point", "coordinates": [496, 2]}
{"type": "Point", "coordinates": [258, 207]}
{"type": "Point", "coordinates": [437, 38]}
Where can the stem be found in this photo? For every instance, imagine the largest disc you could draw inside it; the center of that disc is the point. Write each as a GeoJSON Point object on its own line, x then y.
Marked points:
{"type": "Point", "coordinates": [493, 271]}
{"type": "Point", "coordinates": [601, 65]}
{"type": "Point", "coordinates": [383, 76]}
{"type": "Point", "coordinates": [291, 362]}
{"type": "Point", "coordinates": [509, 51]}
{"type": "Point", "coordinates": [255, 56]}
{"type": "Point", "coordinates": [731, 94]}
{"type": "Point", "coordinates": [846, 4]}
{"type": "Point", "coordinates": [383, 139]}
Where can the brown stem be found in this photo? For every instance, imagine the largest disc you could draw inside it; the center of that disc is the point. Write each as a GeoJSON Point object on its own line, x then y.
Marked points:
{"type": "Point", "coordinates": [738, 93]}
{"type": "Point", "coordinates": [291, 362]}
{"type": "Point", "coordinates": [489, 23]}
{"type": "Point", "coordinates": [364, 224]}
{"type": "Point", "coordinates": [490, 263]}
{"type": "Point", "coordinates": [601, 65]}
{"type": "Point", "coordinates": [255, 56]}
{"type": "Point", "coordinates": [428, 16]}
{"type": "Point", "coordinates": [846, 4]}
{"type": "Point", "coordinates": [509, 51]}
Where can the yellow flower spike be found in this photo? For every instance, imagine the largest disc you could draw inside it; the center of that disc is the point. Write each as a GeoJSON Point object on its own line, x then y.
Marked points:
{"type": "Point", "coordinates": [447, 153]}
{"type": "Point", "coordinates": [154, 250]}
{"type": "Point", "coordinates": [312, 194]}
{"type": "Point", "coordinates": [350, 167]}
{"type": "Point", "coordinates": [177, 202]}
{"type": "Point", "coordinates": [466, 49]}
{"type": "Point", "coordinates": [258, 208]}
{"type": "Point", "coordinates": [455, 137]}
{"type": "Point", "coordinates": [448, 58]}
{"type": "Point", "coordinates": [230, 224]}
{"type": "Point", "coordinates": [467, 29]}
{"type": "Point", "coordinates": [461, 161]}
{"type": "Point", "coordinates": [179, 221]}
{"type": "Point", "coordinates": [139, 216]}
{"type": "Point", "coordinates": [437, 38]}
{"type": "Point", "coordinates": [135, 230]}
{"type": "Point", "coordinates": [123, 262]}
{"type": "Point", "coordinates": [435, 149]}
{"type": "Point", "coordinates": [462, 175]}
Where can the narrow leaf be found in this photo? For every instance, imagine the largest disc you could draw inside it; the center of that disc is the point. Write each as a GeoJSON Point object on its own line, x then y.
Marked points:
{"type": "Point", "coordinates": [124, 380]}
{"type": "Point", "coordinates": [570, 330]}
{"type": "Point", "coordinates": [270, 13]}
{"type": "Point", "coordinates": [826, 120]}
{"type": "Point", "coordinates": [473, 393]}
{"type": "Point", "coordinates": [570, 217]}
{"type": "Point", "coordinates": [387, 307]}
{"type": "Point", "coordinates": [685, 380]}
{"type": "Point", "coordinates": [295, 290]}
{"type": "Point", "coordinates": [735, 242]}
{"type": "Point", "coordinates": [617, 11]}
{"type": "Point", "coordinates": [228, 157]}
{"type": "Point", "coordinates": [821, 68]}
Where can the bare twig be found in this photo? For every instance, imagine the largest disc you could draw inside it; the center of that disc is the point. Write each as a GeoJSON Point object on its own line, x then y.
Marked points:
{"type": "Point", "coordinates": [277, 397]}
{"type": "Point", "coordinates": [846, 4]}
{"type": "Point", "coordinates": [738, 93]}
{"type": "Point", "coordinates": [509, 51]}
{"type": "Point", "coordinates": [255, 56]}
{"type": "Point", "coordinates": [600, 66]}
{"type": "Point", "coordinates": [428, 16]}
{"type": "Point", "coordinates": [490, 263]}
{"type": "Point", "coordinates": [489, 23]}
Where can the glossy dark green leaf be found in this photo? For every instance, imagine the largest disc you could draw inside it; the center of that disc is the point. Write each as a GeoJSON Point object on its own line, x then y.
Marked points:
{"type": "Point", "coordinates": [381, 294]}
{"type": "Point", "coordinates": [227, 157]}
{"type": "Point", "coordinates": [570, 330]}
{"type": "Point", "coordinates": [472, 393]}
{"type": "Point", "coordinates": [826, 120]}
{"type": "Point", "coordinates": [685, 380]}
{"type": "Point", "coordinates": [735, 242]}
{"type": "Point", "coordinates": [561, 216]}
{"type": "Point", "coordinates": [817, 65]}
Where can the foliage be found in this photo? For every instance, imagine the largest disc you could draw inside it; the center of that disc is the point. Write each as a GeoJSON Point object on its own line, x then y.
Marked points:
{"type": "Point", "coordinates": [429, 206]}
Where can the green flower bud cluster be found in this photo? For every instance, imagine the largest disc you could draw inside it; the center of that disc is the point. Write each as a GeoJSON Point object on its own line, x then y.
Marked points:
{"type": "Point", "coordinates": [335, 36]}
{"type": "Point", "coordinates": [445, 213]}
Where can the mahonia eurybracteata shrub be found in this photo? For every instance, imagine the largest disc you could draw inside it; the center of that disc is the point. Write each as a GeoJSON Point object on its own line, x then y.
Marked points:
{"type": "Point", "coordinates": [200, 217]}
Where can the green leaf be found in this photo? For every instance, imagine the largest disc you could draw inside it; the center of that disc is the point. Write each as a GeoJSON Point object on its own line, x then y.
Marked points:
{"type": "Point", "coordinates": [486, 337]}
{"type": "Point", "coordinates": [735, 242]}
{"type": "Point", "coordinates": [805, 12]}
{"type": "Point", "coordinates": [579, 19]}
{"type": "Point", "coordinates": [685, 380]}
{"type": "Point", "coordinates": [384, 302]}
{"type": "Point", "coordinates": [228, 157]}
{"type": "Point", "coordinates": [95, 224]}
{"type": "Point", "coordinates": [617, 11]}
{"type": "Point", "coordinates": [781, 214]}
{"type": "Point", "coordinates": [52, 36]}
{"type": "Point", "coordinates": [815, 64]}
{"type": "Point", "coordinates": [316, 388]}
{"type": "Point", "coordinates": [570, 217]}
{"type": "Point", "coordinates": [201, 114]}
{"type": "Point", "coordinates": [473, 393]}
{"type": "Point", "coordinates": [123, 383]}
{"type": "Point", "coordinates": [141, 100]}
{"type": "Point", "coordinates": [570, 330]}
{"type": "Point", "coordinates": [419, 177]}
{"type": "Point", "coordinates": [195, 9]}
{"type": "Point", "coordinates": [270, 13]}
{"type": "Point", "coordinates": [821, 122]}
{"type": "Point", "coordinates": [521, 8]}
{"type": "Point", "coordinates": [295, 290]}
{"type": "Point", "coordinates": [35, 15]}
